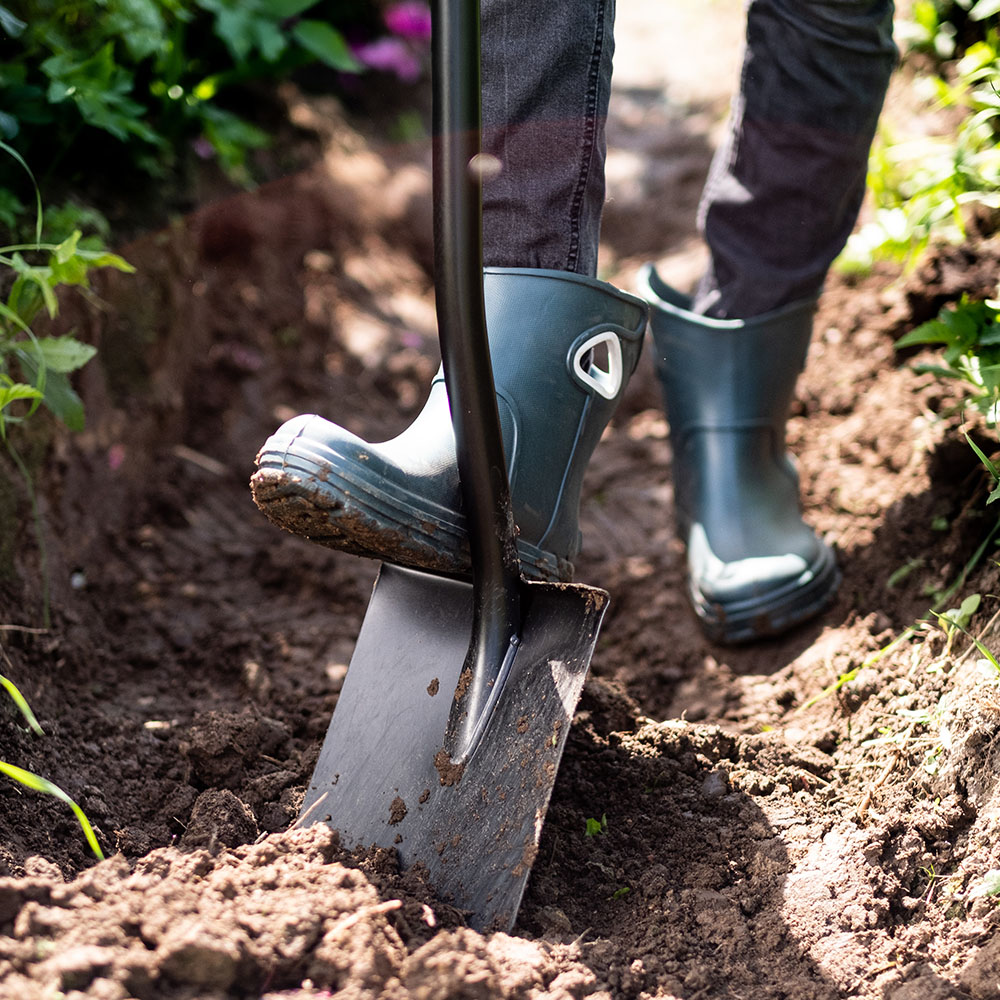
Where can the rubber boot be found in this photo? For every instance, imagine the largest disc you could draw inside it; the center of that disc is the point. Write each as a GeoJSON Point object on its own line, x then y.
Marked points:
{"type": "Point", "coordinates": [400, 501]}
{"type": "Point", "coordinates": [755, 568]}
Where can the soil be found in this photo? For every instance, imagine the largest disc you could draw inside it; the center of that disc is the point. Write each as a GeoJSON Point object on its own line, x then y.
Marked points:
{"type": "Point", "coordinates": [815, 816]}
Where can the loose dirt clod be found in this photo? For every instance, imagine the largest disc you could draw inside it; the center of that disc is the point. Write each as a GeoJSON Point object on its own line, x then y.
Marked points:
{"type": "Point", "coordinates": [448, 771]}
{"type": "Point", "coordinates": [397, 811]}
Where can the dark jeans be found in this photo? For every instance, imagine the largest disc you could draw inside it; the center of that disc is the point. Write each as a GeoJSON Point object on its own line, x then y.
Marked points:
{"type": "Point", "coordinates": [784, 189]}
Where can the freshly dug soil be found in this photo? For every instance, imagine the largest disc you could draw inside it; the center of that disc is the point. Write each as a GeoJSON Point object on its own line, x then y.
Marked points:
{"type": "Point", "coordinates": [802, 818]}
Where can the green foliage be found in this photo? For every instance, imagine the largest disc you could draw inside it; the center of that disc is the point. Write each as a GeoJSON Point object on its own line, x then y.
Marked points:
{"type": "Point", "coordinates": [990, 467]}
{"type": "Point", "coordinates": [934, 25]}
{"type": "Point", "coordinates": [148, 73]}
{"type": "Point", "coordinates": [34, 370]}
{"type": "Point", "coordinates": [969, 336]}
{"type": "Point", "coordinates": [922, 188]}
{"type": "Point", "coordinates": [988, 886]}
{"type": "Point", "coordinates": [596, 827]}
{"type": "Point", "coordinates": [36, 782]}
{"type": "Point", "coordinates": [959, 618]}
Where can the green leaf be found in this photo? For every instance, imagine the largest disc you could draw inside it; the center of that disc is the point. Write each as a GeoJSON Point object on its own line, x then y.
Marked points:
{"type": "Point", "coordinates": [961, 616]}
{"type": "Point", "coordinates": [981, 455]}
{"type": "Point", "coordinates": [22, 704]}
{"type": "Point", "coordinates": [100, 89]}
{"type": "Point", "coordinates": [899, 575]}
{"type": "Point", "coordinates": [931, 332]}
{"type": "Point", "coordinates": [962, 322]}
{"type": "Point", "coordinates": [235, 27]}
{"type": "Point", "coordinates": [936, 370]}
{"type": "Point", "coordinates": [968, 608]}
{"type": "Point", "coordinates": [57, 393]}
{"type": "Point", "coordinates": [39, 784]}
{"type": "Point", "coordinates": [326, 44]}
{"type": "Point", "coordinates": [10, 205]}
{"type": "Point", "coordinates": [64, 354]}
{"type": "Point", "coordinates": [67, 249]}
{"type": "Point", "coordinates": [140, 26]}
{"type": "Point", "coordinates": [41, 278]}
{"type": "Point", "coordinates": [14, 318]}
{"type": "Point", "coordinates": [269, 40]}
{"type": "Point", "coordinates": [989, 886]}
{"type": "Point", "coordinates": [62, 400]}
{"type": "Point", "coordinates": [956, 618]}
{"type": "Point", "coordinates": [102, 258]}
{"type": "Point", "coordinates": [231, 136]}
{"type": "Point", "coordinates": [72, 272]}
{"type": "Point", "coordinates": [282, 9]}
{"type": "Point", "coordinates": [10, 24]}
{"type": "Point", "coordinates": [15, 391]}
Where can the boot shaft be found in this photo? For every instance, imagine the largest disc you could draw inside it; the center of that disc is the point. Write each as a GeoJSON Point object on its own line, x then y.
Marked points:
{"type": "Point", "coordinates": [728, 386]}
{"type": "Point", "coordinates": [727, 373]}
{"type": "Point", "coordinates": [554, 402]}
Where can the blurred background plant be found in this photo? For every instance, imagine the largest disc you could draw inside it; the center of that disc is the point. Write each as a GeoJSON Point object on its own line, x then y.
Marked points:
{"type": "Point", "coordinates": [35, 369]}
{"type": "Point", "coordinates": [935, 187]}
{"type": "Point", "coordinates": [119, 87]}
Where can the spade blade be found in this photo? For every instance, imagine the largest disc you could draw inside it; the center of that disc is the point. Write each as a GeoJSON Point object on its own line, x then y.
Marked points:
{"type": "Point", "coordinates": [383, 777]}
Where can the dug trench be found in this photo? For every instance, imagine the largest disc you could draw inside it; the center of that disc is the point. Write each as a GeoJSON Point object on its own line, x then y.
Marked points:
{"type": "Point", "coordinates": [718, 828]}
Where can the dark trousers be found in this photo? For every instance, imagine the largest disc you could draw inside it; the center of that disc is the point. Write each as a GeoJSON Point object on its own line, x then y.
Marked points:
{"type": "Point", "coordinates": [784, 189]}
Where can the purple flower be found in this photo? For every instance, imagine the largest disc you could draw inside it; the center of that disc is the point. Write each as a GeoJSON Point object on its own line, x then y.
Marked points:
{"type": "Point", "coordinates": [391, 55]}
{"type": "Point", "coordinates": [409, 19]}
{"type": "Point", "coordinates": [203, 149]}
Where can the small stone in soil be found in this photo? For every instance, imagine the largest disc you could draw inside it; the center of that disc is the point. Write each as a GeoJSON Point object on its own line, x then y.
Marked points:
{"type": "Point", "coordinates": [714, 786]}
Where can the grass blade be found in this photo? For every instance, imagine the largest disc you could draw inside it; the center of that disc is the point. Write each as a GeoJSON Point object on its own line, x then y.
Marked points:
{"type": "Point", "coordinates": [981, 455]}
{"type": "Point", "coordinates": [40, 784]}
{"type": "Point", "coordinates": [38, 195]}
{"type": "Point", "coordinates": [23, 707]}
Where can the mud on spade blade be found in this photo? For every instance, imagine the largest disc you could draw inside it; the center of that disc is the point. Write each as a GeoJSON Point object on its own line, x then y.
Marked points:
{"type": "Point", "coordinates": [383, 770]}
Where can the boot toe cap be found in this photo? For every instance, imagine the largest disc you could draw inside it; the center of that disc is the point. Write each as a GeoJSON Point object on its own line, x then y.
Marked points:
{"type": "Point", "coordinates": [317, 479]}
{"type": "Point", "coordinates": [309, 443]}
{"type": "Point", "coordinates": [745, 599]}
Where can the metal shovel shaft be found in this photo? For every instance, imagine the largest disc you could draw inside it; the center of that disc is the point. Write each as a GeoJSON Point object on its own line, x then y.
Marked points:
{"type": "Point", "coordinates": [458, 280]}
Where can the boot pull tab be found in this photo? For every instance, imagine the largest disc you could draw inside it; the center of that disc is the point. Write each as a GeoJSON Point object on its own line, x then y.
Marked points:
{"type": "Point", "coordinates": [605, 382]}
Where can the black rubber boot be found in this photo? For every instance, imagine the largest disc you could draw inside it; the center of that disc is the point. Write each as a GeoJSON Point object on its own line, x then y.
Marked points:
{"type": "Point", "coordinates": [755, 568]}
{"type": "Point", "coordinates": [400, 501]}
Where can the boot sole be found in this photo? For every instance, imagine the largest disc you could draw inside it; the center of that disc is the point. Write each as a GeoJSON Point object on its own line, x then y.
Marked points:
{"type": "Point", "coordinates": [770, 614]}
{"type": "Point", "coordinates": [317, 496]}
